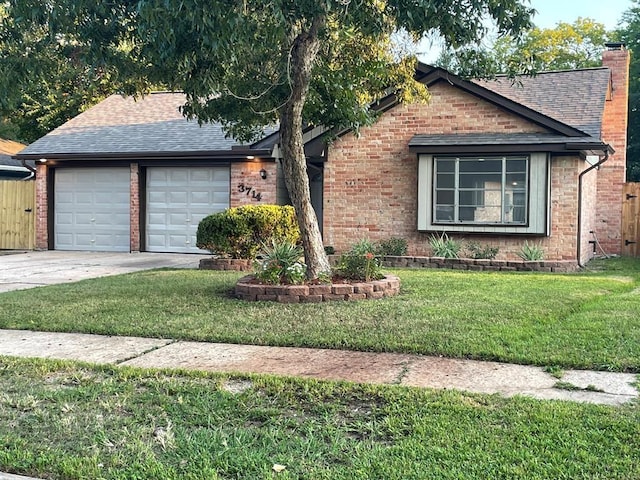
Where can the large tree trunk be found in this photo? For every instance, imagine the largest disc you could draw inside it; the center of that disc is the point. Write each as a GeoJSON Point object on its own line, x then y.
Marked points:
{"type": "Point", "coordinates": [302, 58]}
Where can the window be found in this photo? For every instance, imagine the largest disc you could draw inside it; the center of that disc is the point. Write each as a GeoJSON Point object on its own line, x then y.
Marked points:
{"type": "Point", "coordinates": [484, 193]}
{"type": "Point", "coordinates": [480, 190]}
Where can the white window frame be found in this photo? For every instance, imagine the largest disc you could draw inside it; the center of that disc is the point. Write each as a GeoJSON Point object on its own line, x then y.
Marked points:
{"type": "Point", "coordinates": [537, 206]}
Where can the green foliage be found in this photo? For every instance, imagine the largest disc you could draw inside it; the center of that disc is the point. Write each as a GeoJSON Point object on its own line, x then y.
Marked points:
{"type": "Point", "coordinates": [394, 246]}
{"type": "Point", "coordinates": [329, 250]}
{"type": "Point", "coordinates": [478, 251]}
{"type": "Point", "coordinates": [564, 47]}
{"type": "Point", "coordinates": [240, 51]}
{"type": "Point", "coordinates": [531, 253]}
{"type": "Point", "coordinates": [360, 262]}
{"type": "Point", "coordinates": [238, 232]}
{"type": "Point", "coordinates": [443, 246]}
{"type": "Point", "coordinates": [280, 263]}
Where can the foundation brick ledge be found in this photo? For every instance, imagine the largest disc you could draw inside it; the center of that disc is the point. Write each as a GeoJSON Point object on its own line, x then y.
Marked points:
{"type": "Point", "coordinates": [246, 289]}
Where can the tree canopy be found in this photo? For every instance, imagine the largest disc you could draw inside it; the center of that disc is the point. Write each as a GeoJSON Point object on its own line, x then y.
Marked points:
{"type": "Point", "coordinates": [250, 64]}
{"type": "Point", "coordinates": [567, 46]}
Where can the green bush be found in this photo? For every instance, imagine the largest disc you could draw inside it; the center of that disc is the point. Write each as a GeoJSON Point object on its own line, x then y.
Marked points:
{"type": "Point", "coordinates": [239, 232]}
{"type": "Point", "coordinates": [479, 251]}
{"type": "Point", "coordinates": [394, 246]}
{"type": "Point", "coordinates": [280, 263]}
{"type": "Point", "coordinates": [360, 263]}
{"type": "Point", "coordinates": [443, 246]}
{"type": "Point", "coordinates": [531, 253]}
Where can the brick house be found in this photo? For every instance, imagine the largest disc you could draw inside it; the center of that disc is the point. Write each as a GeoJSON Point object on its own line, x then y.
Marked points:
{"type": "Point", "coordinates": [541, 160]}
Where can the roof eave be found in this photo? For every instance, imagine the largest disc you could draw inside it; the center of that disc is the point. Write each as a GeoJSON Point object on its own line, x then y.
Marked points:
{"type": "Point", "coordinates": [236, 154]}
{"type": "Point", "coordinates": [557, 148]}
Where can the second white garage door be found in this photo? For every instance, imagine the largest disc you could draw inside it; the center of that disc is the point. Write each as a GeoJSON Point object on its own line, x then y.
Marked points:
{"type": "Point", "coordinates": [177, 199]}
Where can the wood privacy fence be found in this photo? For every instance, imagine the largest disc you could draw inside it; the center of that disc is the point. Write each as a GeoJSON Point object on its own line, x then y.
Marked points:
{"type": "Point", "coordinates": [631, 220]}
{"type": "Point", "coordinates": [17, 215]}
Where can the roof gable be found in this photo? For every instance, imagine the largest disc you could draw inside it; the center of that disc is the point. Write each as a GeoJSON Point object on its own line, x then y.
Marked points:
{"type": "Point", "coordinates": [543, 103]}
{"type": "Point", "coordinates": [575, 97]}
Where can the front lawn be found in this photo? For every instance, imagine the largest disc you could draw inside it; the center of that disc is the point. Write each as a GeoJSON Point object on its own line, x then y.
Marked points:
{"type": "Point", "coordinates": [68, 421]}
{"type": "Point", "coordinates": [588, 320]}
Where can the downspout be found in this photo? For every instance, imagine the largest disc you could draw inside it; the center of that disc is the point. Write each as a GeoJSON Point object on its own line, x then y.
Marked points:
{"type": "Point", "coordinates": [582, 174]}
{"type": "Point", "coordinates": [31, 169]}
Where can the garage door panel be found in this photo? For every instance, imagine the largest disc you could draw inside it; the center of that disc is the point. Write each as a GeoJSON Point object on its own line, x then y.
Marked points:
{"type": "Point", "coordinates": [92, 209]}
{"type": "Point", "coordinates": [177, 199]}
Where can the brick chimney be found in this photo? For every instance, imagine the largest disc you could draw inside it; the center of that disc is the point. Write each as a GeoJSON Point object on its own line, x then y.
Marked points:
{"type": "Point", "coordinates": [611, 176]}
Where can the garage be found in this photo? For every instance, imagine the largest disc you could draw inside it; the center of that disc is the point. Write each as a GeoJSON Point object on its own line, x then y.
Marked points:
{"type": "Point", "coordinates": [91, 209]}
{"type": "Point", "coordinates": [177, 198]}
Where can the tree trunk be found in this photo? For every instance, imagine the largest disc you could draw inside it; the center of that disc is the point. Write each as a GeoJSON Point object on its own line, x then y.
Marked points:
{"type": "Point", "coordinates": [302, 58]}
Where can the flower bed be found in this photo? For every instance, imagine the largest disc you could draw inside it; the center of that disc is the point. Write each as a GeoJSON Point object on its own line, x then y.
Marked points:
{"type": "Point", "coordinates": [248, 289]}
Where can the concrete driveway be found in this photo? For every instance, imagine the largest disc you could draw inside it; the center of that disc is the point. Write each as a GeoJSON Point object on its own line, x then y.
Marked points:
{"type": "Point", "coordinates": [34, 269]}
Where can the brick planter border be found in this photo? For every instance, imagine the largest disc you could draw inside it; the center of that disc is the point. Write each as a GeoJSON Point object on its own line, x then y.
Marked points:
{"type": "Point", "coordinates": [560, 266]}
{"type": "Point", "coordinates": [234, 264]}
{"type": "Point", "coordinates": [247, 290]}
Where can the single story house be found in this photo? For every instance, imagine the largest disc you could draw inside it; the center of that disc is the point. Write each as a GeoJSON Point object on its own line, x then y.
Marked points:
{"type": "Point", "coordinates": [11, 169]}
{"type": "Point", "coordinates": [541, 159]}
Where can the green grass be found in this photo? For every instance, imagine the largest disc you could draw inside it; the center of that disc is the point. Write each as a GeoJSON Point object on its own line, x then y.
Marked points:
{"type": "Point", "coordinates": [62, 420]}
{"type": "Point", "coordinates": [587, 320]}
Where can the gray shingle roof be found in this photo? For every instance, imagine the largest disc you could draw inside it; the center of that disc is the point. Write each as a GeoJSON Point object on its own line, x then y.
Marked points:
{"type": "Point", "coordinates": [124, 125]}
{"type": "Point", "coordinates": [574, 97]}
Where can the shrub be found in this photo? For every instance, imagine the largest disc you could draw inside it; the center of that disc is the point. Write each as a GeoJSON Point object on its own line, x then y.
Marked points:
{"type": "Point", "coordinates": [395, 246]}
{"type": "Point", "coordinates": [240, 231]}
{"type": "Point", "coordinates": [280, 263]}
{"type": "Point", "coordinates": [531, 253]}
{"type": "Point", "coordinates": [478, 251]}
{"type": "Point", "coordinates": [360, 263]}
{"type": "Point", "coordinates": [329, 250]}
{"type": "Point", "coordinates": [443, 246]}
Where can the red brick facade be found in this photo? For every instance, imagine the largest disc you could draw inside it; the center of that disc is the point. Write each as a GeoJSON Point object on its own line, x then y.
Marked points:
{"type": "Point", "coordinates": [248, 187]}
{"type": "Point", "coordinates": [611, 176]}
{"type": "Point", "coordinates": [42, 209]}
{"type": "Point", "coordinates": [371, 180]}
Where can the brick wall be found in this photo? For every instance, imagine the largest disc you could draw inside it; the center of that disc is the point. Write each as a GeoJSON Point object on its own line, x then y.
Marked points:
{"type": "Point", "coordinates": [134, 208]}
{"type": "Point", "coordinates": [246, 179]}
{"type": "Point", "coordinates": [611, 176]}
{"type": "Point", "coordinates": [371, 180]}
{"type": "Point", "coordinates": [42, 208]}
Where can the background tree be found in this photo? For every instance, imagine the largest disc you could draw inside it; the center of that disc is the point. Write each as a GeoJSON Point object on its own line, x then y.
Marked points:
{"type": "Point", "coordinates": [248, 64]}
{"type": "Point", "coordinates": [564, 47]}
{"type": "Point", "coordinates": [629, 33]}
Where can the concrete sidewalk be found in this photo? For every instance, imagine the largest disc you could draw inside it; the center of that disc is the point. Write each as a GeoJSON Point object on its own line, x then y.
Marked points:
{"type": "Point", "coordinates": [379, 368]}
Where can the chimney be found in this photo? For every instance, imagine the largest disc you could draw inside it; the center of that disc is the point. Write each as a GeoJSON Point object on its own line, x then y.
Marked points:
{"type": "Point", "coordinates": [611, 176]}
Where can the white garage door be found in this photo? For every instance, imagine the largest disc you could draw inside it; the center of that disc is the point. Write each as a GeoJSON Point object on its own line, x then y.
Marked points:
{"type": "Point", "coordinates": [177, 199]}
{"type": "Point", "coordinates": [92, 209]}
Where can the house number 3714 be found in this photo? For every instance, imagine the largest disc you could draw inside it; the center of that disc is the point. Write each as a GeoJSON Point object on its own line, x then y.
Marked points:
{"type": "Point", "coordinates": [250, 191]}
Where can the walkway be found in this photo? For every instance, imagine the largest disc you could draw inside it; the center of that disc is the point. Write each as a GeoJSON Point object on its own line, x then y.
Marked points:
{"type": "Point", "coordinates": [379, 368]}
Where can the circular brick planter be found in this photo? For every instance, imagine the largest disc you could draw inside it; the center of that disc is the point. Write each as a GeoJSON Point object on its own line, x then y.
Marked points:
{"type": "Point", "coordinates": [235, 264]}
{"type": "Point", "coordinates": [247, 289]}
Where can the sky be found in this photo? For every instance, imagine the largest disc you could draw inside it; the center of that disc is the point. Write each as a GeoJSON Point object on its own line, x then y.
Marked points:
{"type": "Point", "coordinates": [550, 12]}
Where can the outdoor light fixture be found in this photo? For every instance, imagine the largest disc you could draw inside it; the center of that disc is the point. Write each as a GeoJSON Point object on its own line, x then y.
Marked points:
{"type": "Point", "coordinates": [263, 174]}
{"type": "Point", "coordinates": [250, 157]}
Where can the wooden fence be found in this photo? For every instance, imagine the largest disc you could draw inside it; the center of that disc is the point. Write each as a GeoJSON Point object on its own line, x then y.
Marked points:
{"type": "Point", "coordinates": [17, 215]}
{"type": "Point", "coordinates": [631, 220]}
